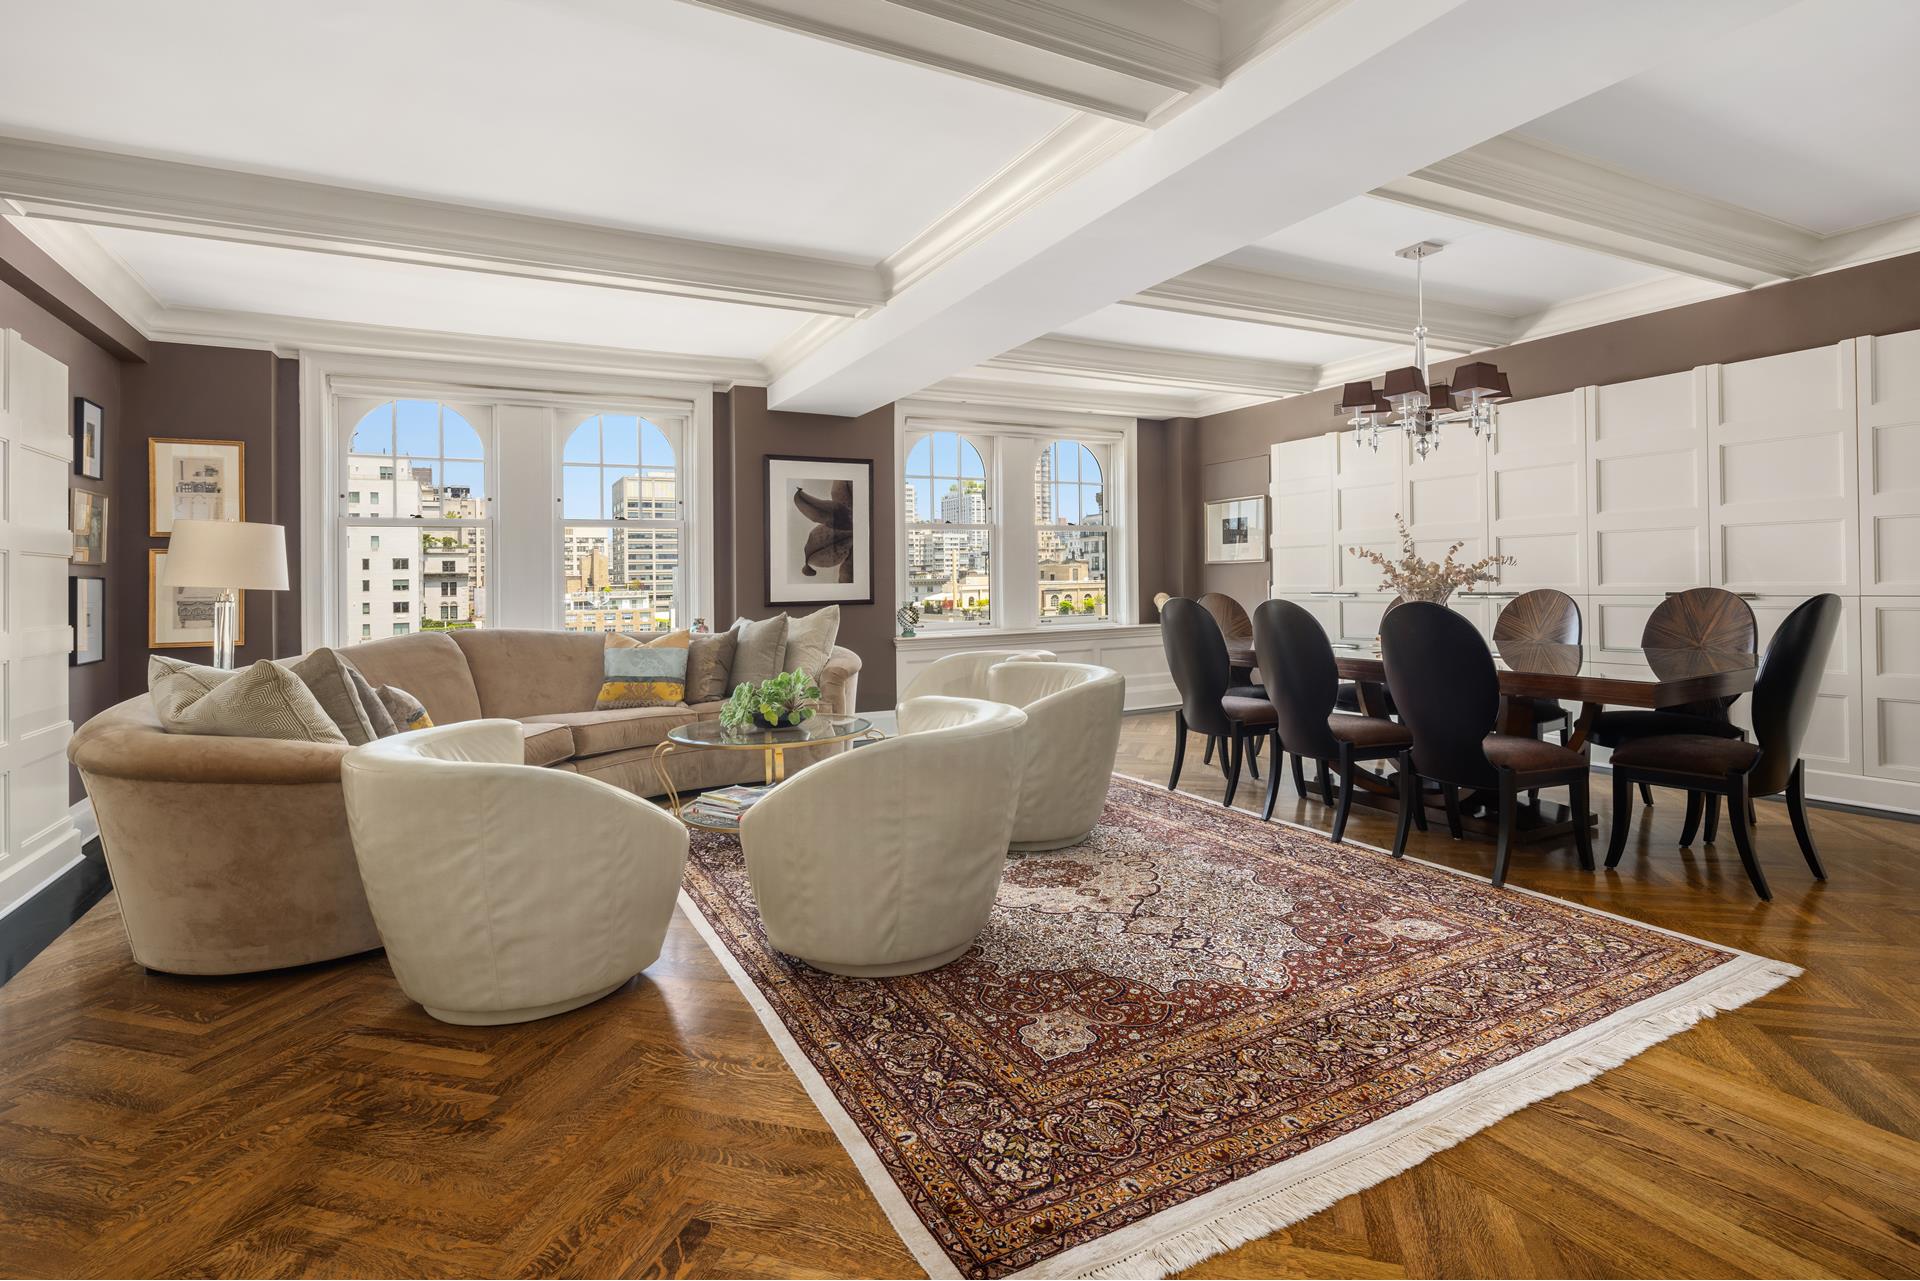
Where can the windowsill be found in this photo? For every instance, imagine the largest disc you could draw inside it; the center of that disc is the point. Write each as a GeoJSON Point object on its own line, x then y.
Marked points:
{"type": "Point", "coordinates": [951, 635]}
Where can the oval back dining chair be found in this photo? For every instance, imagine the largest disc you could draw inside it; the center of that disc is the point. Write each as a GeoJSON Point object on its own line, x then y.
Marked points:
{"type": "Point", "coordinates": [1543, 616]}
{"type": "Point", "coordinates": [1348, 699]}
{"type": "Point", "coordinates": [1713, 765]}
{"type": "Point", "coordinates": [1235, 627]}
{"type": "Point", "coordinates": [1209, 704]}
{"type": "Point", "coordinates": [1449, 697]}
{"type": "Point", "coordinates": [1297, 660]}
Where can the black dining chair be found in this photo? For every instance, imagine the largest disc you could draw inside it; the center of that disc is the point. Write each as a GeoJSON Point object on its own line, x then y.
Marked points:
{"type": "Point", "coordinates": [1713, 765]}
{"type": "Point", "coordinates": [1448, 692]}
{"type": "Point", "coordinates": [1297, 661]}
{"type": "Point", "coordinates": [1237, 628]}
{"type": "Point", "coordinates": [1197, 657]}
{"type": "Point", "coordinates": [1543, 616]}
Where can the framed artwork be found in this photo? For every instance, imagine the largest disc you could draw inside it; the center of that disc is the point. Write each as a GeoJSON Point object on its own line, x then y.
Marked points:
{"type": "Point", "coordinates": [1236, 530]}
{"type": "Point", "coordinates": [182, 617]}
{"type": "Point", "coordinates": [89, 426]}
{"type": "Point", "coordinates": [87, 611]}
{"type": "Point", "coordinates": [89, 525]}
{"type": "Point", "coordinates": [194, 480]}
{"type": "Point", "coordinates": [819, 530]}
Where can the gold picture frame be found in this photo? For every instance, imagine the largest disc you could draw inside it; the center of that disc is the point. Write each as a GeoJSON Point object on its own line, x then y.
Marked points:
{"type": "Point", "coordinates": [205, 480]}
{"type": "Point", "coordinates": [163, 627]}
{"type": "Point", "coordinates": [87, 521]}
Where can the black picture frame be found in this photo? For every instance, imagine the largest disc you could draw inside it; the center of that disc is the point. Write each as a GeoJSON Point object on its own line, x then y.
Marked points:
{"type": "Point", "coordinates": [92, 591]}
{"type": "Point", "coordinates": [83, 410]}
{"type": "Point", "coordinates": [784, 544]}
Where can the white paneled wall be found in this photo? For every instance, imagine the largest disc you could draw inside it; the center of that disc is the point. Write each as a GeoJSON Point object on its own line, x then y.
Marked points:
{"type": "Point", "coordinates": [1776, 478]}
{"type": "Point", "coordinates": [37, 835]}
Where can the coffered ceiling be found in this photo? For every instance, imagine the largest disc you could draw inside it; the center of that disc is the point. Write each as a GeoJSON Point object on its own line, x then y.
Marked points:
{"type": "Point", "coordinates": [1152, 206]}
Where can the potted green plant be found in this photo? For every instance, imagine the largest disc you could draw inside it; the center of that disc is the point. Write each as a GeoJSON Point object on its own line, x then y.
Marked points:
{"type": "Point", "coordinates": [787, 699]}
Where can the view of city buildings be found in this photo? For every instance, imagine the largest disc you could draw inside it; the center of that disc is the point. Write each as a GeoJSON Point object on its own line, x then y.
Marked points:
{"type": "Point", "coordinates": [401, 579]}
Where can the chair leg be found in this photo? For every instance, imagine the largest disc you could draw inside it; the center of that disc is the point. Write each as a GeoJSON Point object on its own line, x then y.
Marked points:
{"type": "Point", "coordinates": [1622, 807]}
{"type": "Point", "coordinates": [1695, 802]}
{"type": "Point", "coordinates": [1179, 748]}
{"type": "Point", "coordinates": [1452, 795]}
{"type": "Point", "coordinates": [1222, 761]}
{"type": "Point", "coordinates": [1582, 838]}
{"type": "Point", "coordinates": [1326, 782]}
{"type": "Point", "coordinates": [1409, 797]}
{"type": "Point", "coordinates": [1503, 845]}
{"type": "Point", "coordinates": [1737, 820]}
{"type": "Point", "coordinates": [1797, 811]}
{"type": "Point", "coordinates": [1713, 819]}
{"type": "Point", "coordinates": [1646, 794]}
{"type": "Point", "coordinates": [1420, 810]}
{"type": "Point", "coordinates": [1207, 759]}
{"type": "Point", "coordinates": [1236, 744]}
{"type": "Point", "coordinates": [1346, 793]}
{"type": "Point", "coordinates": [1299, 777]}
{"type": "Point", "coordinates": [1253, 755]}
{"type": "Point", "coordinates": [1273, 778]}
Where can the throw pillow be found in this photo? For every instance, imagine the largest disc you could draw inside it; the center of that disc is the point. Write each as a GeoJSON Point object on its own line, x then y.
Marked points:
{"type": "Point", "coordinates": [709, 662]}
{"type": "Point", "coordinates": [679, 639]}
{"type": "Point", "coordinates": [810, 640]}
{"type": "Point", "coordinates": [620, 640]}
{"type": "Point", "coordinates": [405, 711]}
{"type": "Point", "coordinates": [329, 678]}
{"type": "Point", "coordinates": [265, 700]}
{"type": "Point", "coordinates": [759, 650]}
{"type": "Point", "coordinates": [643, 677]}
{"type": "Point", "coordinates": [377, 710]}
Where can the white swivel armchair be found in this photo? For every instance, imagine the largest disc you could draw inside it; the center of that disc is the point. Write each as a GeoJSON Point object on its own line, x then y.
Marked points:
{"type": "Point", "coordinates": [965, 675]}
{"type": "Point", "coordinates": [504, 892]}
{"type": "Point", "coordinates": [886, 860]}
{"type": "Point", "coordinates": [1071, 740]}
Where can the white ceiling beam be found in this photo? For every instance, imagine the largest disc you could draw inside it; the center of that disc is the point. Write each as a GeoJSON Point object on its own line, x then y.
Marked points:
{"type": "Point", "coordinates": [1158, 366]}
{"type": "Point", "coordinates": [1529, 187]}
{"type": "Point", "coordinates": [1234, 293]}
{"type": "Point", "coordinates": [1126, 59]}
{"type": "Point", "coordinates": [73, 184]}
{"type": "Point", "coordinates": [1312, 123]}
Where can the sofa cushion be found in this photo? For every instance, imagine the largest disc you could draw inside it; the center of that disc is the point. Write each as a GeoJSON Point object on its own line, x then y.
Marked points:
{"type": "Point", "coordinates": [519, 673]}
{"type": "Point", "coordinates": [546, 744]}
{"type": "Point", "coordinates": [427, 665]}
{"type": "Point", "coordinates": [265, 700]}
{"type": "Point", "coordinates": [644, 676]}
{"type": "Point", "coordinates": [709, 663]}
{"type": "Point", "coordinates": [596, 733]}
{"type": "Point", "coordinates": [760, 651]}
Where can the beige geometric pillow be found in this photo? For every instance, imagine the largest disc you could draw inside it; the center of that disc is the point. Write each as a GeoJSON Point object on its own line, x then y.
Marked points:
{"type": "Point", "coordinates": [265, 700]}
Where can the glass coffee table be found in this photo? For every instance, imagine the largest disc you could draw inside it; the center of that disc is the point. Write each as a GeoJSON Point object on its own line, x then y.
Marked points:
{"type": "Point", "coordinates": [772, 744]}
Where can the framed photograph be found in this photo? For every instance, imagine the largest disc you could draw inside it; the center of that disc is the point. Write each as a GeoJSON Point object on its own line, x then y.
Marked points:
{"type": "Point", "coordinates": [89, 425]}
{"type": "Point", "coordinates": [182, 617]}
{"type": "Point", "coordinates": [89, 525]}
{"type": "Point", "coordinates": [1236, 530]}
{"type": "Point", "coordinates": [87, 611]}
{"type": "Point", "coordinates": [819, 530]}
{"type": "Point", "coordinates": [194, 480]}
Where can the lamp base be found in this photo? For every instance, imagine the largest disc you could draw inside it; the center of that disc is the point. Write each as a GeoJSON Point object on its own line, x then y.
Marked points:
{"type": "Point", "coordinates": [226, 626]}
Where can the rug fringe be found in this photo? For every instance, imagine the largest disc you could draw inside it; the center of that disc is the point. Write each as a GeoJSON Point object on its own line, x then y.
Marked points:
{"type": "Point", "coordinates": [1299, 1195]}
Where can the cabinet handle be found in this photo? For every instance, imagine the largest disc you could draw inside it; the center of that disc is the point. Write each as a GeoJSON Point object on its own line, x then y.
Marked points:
{"type": "Point", "coordinates": [1343, 645]}
{"type": "Point", "coordinates": [1339, 595]}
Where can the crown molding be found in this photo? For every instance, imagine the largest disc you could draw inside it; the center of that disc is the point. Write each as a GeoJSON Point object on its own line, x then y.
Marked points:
{"type": "Point", "coordinates": [1870, 244]}
{"type": "Point", "coordinates": [1235, 293]}
{"type": "Point", "coordinates": [74, 184]}
{"type": "Point", "coordinates": [1158, 367]}
{"type": "Point", "coordinates": [1172, 47]}
{"type": "Point", "coordinates": [1255, 26]}
{"type": "Point", "coordinates": [1530, 187]}
{"type": "Point", "coordinates": [973, 389]}
{"type": "Point", "coordinates": [89, 262]}
{"type": "Point", "coordinates": [1619, 304]}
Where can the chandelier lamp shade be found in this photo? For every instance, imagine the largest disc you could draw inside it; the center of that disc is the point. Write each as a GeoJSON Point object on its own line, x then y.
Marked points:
{"type": "Point", "coordinates": [1409, 401]}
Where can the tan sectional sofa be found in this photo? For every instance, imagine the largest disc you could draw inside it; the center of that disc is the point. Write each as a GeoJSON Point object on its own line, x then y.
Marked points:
{"type": "Point", "coordinates": [231, 855]}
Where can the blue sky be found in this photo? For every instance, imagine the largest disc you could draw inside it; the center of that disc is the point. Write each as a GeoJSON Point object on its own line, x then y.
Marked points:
{"type": "Point", "coordinates": [939, 459]}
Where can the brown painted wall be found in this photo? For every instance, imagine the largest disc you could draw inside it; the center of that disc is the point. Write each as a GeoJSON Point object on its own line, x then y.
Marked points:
{"type": "Point", "coordinates": [1169, 462]}
{"type": "Point", "coordinates": [1878, 298]}
{"type": "Point", "coordinates": [752, 432]}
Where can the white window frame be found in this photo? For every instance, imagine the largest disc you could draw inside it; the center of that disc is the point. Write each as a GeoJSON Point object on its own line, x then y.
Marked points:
{"type": "Point", "coordinates": [1016, 435]}
{"type": "Point", "coordinates": [677, 426]}
{"type": "Point", "coordinates": [985, 445]}
{"type": "Point", "coordinates": [1102, 452]}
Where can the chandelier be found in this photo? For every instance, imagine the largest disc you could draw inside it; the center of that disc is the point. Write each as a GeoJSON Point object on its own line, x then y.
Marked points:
{"type": "Point", "coordinates": [1408, 402]}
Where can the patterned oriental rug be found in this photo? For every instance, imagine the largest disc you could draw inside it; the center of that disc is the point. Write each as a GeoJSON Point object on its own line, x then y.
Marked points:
{"type": "Point", "coordinates": [1197, 1028]}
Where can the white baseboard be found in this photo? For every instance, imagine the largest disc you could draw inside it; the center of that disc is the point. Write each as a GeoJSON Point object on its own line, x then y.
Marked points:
{"type": "Point", "coordinates": [84, 822]}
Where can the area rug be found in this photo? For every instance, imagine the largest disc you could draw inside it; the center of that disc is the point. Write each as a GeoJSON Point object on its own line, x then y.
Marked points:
{"type": "Point", "coordinates": [1197, 1028]}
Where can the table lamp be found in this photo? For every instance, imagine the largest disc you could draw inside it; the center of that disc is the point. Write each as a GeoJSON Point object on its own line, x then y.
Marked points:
{"type": "Point", "coordinates": [230, 556]}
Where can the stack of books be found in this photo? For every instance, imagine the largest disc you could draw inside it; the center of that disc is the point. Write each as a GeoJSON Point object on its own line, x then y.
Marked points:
{"type": "Point", "coordinates": [723, 806]}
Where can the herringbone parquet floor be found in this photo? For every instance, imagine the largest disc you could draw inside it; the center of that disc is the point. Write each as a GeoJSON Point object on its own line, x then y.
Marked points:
{"type": "Point", "coordinates": [316, 1123]}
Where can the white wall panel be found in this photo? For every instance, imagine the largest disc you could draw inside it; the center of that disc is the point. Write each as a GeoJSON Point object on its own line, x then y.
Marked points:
{"type": "Point", "coordinates": [1888, 376]}
{"type": "Point", "coordinates": [1301, 515]}
{"type": "Point", "coordinates": [1890, 655]}
{"type": "Point", "coordinates": [1647, 497]}
{"type": "Point", "coordinates": [1537, 493]}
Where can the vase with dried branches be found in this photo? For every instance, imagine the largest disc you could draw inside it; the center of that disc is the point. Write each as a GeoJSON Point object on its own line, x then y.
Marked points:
{"type": "Point", "coordinates": [1417, 579]}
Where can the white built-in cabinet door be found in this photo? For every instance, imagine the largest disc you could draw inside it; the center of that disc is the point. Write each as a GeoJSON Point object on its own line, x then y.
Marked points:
{"type": "Point", "coordinates": [1889, 405]}
{"type": "Point", "coordinates": [1366, 497]}
{"type": "Point", "coordinates": [1537, 493]}
{"type": "Point", "coordinates": [1833, 740]}
{"type": "Point", "coordinates": [1301, 493]}
{"type": "Point", "coordinates": [1783, 473]}
{"type": "Point", "coordinates": [1444, 496]}
{"type": "Point", "coordinates": [1890, 655]}
{"type": "Point", "coordinates": [37, 834]}
{"type": "Point", "coordinates": [1647, 495]}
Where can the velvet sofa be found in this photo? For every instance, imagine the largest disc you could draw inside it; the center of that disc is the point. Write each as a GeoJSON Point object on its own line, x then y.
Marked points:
{"type": "Point", "coordinates": [231, 855]}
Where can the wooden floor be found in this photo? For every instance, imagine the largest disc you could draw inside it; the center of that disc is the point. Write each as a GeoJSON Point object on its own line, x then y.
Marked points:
{"type": "Point", "coordinates": [315, 1122]}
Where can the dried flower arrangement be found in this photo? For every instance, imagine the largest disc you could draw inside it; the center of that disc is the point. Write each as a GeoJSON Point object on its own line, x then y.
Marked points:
{"type": "Point", "coordinates": [1417, 579]}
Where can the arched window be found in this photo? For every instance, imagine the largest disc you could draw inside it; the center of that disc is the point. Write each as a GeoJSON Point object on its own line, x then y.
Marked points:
{"type": "Point", "coordinates": [948, 503]}
{"type": "Point", "coordinates": [623, 527]}
{"type": "Point", "coordinates": [415, 519]}
{"type": "Point", "coordinates": [1070, 511]}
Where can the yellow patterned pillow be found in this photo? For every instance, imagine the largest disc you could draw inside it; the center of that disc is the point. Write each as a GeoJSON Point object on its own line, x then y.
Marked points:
{"type": "Point", "coordinates": [643, 677]}
{"type": "Point", "coordinates": [681, 639]}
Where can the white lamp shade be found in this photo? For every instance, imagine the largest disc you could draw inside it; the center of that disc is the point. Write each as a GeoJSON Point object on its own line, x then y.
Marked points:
{"type": "Point", "coordinates": [227, 553]}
